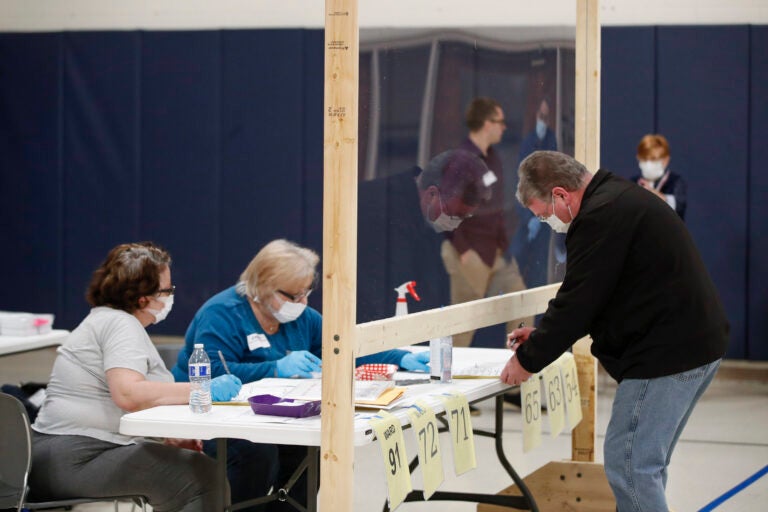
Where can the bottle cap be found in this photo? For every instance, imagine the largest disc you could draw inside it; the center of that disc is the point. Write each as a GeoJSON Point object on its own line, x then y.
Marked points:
{"type": "Point", "coordinates": [198, 345]}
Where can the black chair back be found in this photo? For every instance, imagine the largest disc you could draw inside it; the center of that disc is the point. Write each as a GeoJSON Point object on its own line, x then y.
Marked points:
{"type": "Point", "coordinates": [16, 450]}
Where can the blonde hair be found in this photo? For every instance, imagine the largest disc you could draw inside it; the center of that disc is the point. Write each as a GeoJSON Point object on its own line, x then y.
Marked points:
{"type": "Point", "coordinates": [278, 263]}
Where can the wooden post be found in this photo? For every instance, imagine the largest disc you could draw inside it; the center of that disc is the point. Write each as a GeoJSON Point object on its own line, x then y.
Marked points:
{"type": "Point", "coordinates": [339, 253]}
{"type": "Point", "coordinates": [587, 151]}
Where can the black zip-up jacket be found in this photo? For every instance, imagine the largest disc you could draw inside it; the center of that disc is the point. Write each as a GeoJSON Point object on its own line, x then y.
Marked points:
{"type": "Point", "coordinates": [636, 283]}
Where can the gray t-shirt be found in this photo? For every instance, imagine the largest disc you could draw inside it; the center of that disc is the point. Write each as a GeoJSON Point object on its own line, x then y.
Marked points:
{"type": "Point", "coordinates": [77, 400]}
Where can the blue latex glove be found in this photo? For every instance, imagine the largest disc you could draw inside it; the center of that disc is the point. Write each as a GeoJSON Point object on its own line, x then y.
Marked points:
{"type": "Point", "coordinates": [298, 364]}
{"type": "Point", "coordinates": [415, 361]}
{"type": "Point", "coordinates": [225, 387]}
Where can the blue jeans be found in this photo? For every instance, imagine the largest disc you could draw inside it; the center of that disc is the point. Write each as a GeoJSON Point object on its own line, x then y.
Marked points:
{"type": "Point", "coordinates": [647, 419]}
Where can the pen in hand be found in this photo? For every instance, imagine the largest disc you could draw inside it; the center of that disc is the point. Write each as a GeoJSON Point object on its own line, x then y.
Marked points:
{"type": "Point", "coordinates": [224, 362]}
{"type": "Point", "coordinates": [512, 344]}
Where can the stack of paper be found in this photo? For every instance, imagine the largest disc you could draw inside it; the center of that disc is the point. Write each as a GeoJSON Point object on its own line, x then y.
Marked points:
{"type": "Point", "coordinates": [367, 393]}
{"type": "Point", "coordinates": [375, 393]}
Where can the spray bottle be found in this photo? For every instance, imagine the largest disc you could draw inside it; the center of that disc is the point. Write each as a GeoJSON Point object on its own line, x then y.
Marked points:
{"type": "Point", "coordinates": [401, 306]}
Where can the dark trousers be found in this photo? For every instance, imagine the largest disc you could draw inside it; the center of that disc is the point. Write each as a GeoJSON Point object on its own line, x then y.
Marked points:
{"type": "Point", "coordinates": [254, 468]}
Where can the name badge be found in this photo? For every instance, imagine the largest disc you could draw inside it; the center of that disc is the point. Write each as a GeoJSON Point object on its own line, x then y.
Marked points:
{"type": "Point", "coordinates": [257, 340]}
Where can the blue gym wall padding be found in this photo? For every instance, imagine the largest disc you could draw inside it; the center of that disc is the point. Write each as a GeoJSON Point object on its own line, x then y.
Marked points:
{"type": "Point", "coordinates": [210, 143]}
{"type": "Point", "coordinates": [30, 172]}
{"type": "Point", "coordinates": [757, 241]}
{"type": "Point", "coordinates": [627, 103]}
{"type": "Point", "coordinates": [703, 109]}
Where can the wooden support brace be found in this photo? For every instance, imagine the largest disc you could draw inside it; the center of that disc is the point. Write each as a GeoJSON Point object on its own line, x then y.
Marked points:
{"type": "Point", "coordinates": [339, 253]}
{"type": "Point", "coordinates": [587, 151]}
{"type": "Point", "coordinates": [565, 487]}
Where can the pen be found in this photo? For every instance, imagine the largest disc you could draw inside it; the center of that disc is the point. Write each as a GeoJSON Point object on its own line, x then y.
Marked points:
{"type": "Point", "coordinates": [512, 344]}
{"type": "Point", "coordinates": [224, 362]}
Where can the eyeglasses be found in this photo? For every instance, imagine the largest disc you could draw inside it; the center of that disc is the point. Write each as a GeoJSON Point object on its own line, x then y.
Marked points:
{"type": "Point", "coordinates": [167, 291]}
{"type": "Point", "coordinates": [295, 297]}
{"type": "Point", "coordinates": [502, 121]}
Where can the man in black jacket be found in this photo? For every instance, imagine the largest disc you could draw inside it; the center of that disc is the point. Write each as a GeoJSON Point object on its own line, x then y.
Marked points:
{"type": "Point", "coordinates": [636, 283]}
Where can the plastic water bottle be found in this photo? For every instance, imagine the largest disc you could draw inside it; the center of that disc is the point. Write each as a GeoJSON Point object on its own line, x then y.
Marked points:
{"type": "Point", "coordinates": [200, 381]}
{"type": "Point", "coordinates": [441, 359]}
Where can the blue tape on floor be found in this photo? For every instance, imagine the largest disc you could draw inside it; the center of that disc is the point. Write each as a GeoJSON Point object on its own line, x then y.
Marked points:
{"type": "Point", "coordinates": [746, 483]}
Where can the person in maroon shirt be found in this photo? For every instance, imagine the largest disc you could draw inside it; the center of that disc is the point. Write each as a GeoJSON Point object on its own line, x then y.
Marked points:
{"type": "Point", "coordinates": [473, 253]}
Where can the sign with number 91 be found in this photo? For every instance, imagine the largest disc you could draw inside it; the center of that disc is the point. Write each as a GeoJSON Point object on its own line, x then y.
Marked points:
{"type": "Point", "coordinates": [390, 436]}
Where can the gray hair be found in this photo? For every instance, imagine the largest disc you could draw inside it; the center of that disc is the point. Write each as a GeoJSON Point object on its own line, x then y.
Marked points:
{"type": "Point", "coordinates": [457, 173]}
{"type": "Point", "coordinates": [542, 171]}
{"type": "Point", "coordinates": [278, 263]}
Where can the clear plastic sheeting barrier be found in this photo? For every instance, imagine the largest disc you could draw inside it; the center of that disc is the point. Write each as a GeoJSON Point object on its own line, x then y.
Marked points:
{"type": "Point", "coordinates": [419, 100]}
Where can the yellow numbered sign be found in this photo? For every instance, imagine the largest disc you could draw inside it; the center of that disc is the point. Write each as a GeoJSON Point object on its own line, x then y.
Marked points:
{"type": "Point", "coordinates": [460, 425]}
{"type": "Point", "coordinates": [553, 387]}
{"type": "Point", "coordinates": [571, 389]}
{"type": "Point", "coordinates": [390, 436]}
{"type": "Point", "coordinates": [531, 401]}
{"type": "Point", "coordinates": [424, 426]}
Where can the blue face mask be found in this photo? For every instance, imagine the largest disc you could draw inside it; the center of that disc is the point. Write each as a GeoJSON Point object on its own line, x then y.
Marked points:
{"type": "Point", "coordinates": [541, 129]}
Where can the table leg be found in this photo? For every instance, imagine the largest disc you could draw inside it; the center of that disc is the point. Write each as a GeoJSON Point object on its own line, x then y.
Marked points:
{"type": "Point", "coordinates": [221, 465]}
{"type": "Point", "coordinates": [313, 477]}
{"type": "Point", "coordinates": [499, 430]}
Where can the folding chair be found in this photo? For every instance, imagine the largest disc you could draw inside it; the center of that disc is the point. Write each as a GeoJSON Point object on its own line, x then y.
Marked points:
{"type": "Point", "coordinates": [16, 461]}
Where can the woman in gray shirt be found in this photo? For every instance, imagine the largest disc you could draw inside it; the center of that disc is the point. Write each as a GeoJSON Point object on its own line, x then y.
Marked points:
{"type": "Point", "coordinates": [109, 366]}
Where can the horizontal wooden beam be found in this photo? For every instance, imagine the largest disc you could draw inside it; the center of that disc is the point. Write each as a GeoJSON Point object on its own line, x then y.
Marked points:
{"type": "Point", "coordinates": [398, 331]}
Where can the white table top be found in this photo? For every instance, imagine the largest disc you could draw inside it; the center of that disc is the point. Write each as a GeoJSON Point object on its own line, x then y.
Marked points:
{"type": "Point", "coordinates": [230, 421]}
{"type": "Point", "coordinates": [14, 344]}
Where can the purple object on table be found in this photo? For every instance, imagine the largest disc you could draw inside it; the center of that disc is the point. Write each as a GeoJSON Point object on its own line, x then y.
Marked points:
{"type": "Point", "coordinates": [268, 404]}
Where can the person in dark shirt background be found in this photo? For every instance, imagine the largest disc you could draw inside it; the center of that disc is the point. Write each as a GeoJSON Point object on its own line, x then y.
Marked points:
{"type": "Point", "coordinates": [534, 241]}
{"type": "Point", "coordinates": [474, 253]}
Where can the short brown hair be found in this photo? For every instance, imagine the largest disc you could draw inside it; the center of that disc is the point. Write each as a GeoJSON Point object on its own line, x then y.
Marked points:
{"type": "Point", "coordinates": [479, 111]}
{"type": "Point", "coordinates": [129, 272]}
{"type": "Point", "coordinates": [653, 147]}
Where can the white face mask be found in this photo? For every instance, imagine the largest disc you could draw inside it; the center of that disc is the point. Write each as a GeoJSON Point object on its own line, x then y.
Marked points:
{"type": "Point", "coordinates": [445, 222]}
{"type": "Point", "coordinates": [651, 169]}
{"type": "Point", "coordinates": [557, 225]}
{"type": "Point", "coordinates": [288, 312]}
{"type": "Point", "coordinates": [160, 314]}
{"type": "Point", "coordinates": [541, 129]}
